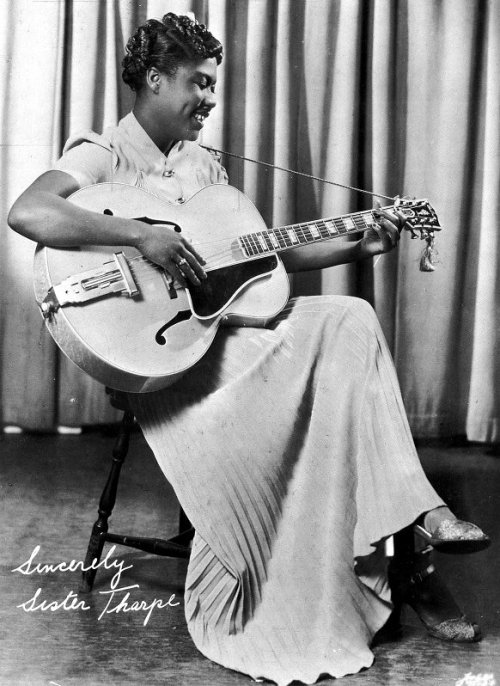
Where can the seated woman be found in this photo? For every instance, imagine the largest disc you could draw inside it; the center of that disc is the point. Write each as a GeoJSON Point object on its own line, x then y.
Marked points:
{"type": "Point", "coordinates": [288, 445]}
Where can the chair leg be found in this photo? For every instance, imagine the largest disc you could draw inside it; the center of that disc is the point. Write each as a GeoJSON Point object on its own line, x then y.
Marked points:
{"type": "Point", "coordinates": [106, 504]}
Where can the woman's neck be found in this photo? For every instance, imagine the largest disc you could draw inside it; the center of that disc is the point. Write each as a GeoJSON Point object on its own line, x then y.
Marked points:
{"type": "Point", "coordinates": [153, 128]}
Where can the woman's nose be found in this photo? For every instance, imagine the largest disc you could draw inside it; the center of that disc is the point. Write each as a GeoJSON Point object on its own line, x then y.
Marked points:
{"type": "Point", "coordinates": [210, 99]}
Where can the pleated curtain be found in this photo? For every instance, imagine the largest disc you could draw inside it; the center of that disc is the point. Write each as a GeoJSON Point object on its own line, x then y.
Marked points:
{"type": "Point", "coordinates": [394, 97]}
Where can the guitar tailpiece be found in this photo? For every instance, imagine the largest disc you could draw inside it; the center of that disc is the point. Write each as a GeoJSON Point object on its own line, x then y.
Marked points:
{"type": "Point", "coordinates": [49, 304]}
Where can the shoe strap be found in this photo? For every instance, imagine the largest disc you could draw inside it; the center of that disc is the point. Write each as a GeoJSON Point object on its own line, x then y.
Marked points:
{"type": "Point", "coordinates": [418, 577]}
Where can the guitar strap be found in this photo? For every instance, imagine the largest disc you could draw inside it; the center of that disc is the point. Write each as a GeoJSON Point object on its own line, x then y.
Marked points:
{"type": "Point", "coordinates": [429, 255]}
{"type": "Point", "coordinates": [297, 173]}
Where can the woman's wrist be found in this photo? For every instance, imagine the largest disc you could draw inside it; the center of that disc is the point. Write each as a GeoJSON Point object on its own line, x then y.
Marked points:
{"type": "Point", "coordinates": [137, 233]}
{"type": "Point", "coordinates": [359, 250]}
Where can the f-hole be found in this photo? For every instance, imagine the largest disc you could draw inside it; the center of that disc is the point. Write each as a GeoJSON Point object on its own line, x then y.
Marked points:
{"type": "Point", "coordinates": [181, 316]}
{"type": "Point", "coordinates": [148, 220]}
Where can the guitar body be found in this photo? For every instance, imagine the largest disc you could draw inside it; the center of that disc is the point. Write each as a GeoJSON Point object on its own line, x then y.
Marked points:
{"type": "Point", "coordinates": [147, 340]}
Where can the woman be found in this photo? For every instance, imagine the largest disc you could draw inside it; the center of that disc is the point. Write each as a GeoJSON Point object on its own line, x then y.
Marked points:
{"type": "Point", "coordinates": [292, 493]}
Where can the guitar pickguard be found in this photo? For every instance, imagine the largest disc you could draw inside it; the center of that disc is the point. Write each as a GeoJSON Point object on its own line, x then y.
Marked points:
{"type": "Point", "coordinates": [223, 284]}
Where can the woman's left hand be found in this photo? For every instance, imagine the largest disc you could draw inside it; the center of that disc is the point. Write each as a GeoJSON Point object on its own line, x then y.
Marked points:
{"type": "Point", "coordinates": [383, 236]}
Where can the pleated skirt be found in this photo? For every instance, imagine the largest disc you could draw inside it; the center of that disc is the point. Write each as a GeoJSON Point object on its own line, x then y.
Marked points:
{"type": "Point", "coordinates": [289, 450]}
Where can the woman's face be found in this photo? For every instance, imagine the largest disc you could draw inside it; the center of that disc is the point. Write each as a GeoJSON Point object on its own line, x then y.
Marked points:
{"type": "Point", "coordinates": [185, 99]}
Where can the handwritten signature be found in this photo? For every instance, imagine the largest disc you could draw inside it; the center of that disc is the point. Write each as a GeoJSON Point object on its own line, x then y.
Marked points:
{"type": "Point", "coordinates": [118, 600]}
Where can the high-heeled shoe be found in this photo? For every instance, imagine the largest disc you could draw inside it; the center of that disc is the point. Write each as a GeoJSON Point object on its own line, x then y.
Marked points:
{"type": "Point", "coordinates": [453, 536]}
{"type": "Point", "coordinates": [421, 587]}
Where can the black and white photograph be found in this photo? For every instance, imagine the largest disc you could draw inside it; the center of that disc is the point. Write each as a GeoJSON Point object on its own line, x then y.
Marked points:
{"type": "Point", "coordinates": [249, 342]}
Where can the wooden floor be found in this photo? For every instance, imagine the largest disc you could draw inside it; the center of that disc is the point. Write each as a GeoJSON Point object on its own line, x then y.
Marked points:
{"type": "Point", "coordinates": [50, 486]}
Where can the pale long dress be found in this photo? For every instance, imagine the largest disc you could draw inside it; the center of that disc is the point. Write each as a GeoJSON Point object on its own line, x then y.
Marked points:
{"type": "Point", "coordinates": [289, 450]}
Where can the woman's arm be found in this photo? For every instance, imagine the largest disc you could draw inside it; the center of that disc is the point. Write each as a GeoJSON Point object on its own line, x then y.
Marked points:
{"type": "Point", "coordinates": [43, 214]}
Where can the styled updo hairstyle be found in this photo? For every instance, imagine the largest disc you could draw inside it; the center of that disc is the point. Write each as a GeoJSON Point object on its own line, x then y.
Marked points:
{"type": "Point", "coordinates": [165, 44]}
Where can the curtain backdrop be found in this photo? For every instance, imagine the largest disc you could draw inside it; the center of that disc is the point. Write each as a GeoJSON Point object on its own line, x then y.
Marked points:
{"type": "Point", "coordinates": [398, 96]}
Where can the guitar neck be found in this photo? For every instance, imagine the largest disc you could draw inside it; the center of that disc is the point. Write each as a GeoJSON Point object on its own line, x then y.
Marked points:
{"type": "Point", "coordinates": [304, 233]}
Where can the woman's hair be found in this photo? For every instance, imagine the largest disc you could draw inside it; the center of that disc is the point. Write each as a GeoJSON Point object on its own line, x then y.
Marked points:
{"type": "Point", "coordinates": [165, 44]}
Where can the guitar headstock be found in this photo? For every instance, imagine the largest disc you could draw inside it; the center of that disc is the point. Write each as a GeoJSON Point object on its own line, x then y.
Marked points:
{"type": "Point", "coordinates": [420, 217]}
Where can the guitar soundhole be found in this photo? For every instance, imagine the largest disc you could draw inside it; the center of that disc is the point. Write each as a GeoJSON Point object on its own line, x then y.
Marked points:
{"type": "Point", "coordinates": [181, 316]}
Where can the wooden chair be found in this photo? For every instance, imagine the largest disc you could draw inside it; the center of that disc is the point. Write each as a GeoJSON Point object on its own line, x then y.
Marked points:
{"type": "Point", "coordinates": [177, 546]}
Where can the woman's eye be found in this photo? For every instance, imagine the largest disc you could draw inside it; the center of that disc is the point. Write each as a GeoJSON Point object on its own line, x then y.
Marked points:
{"type": "Point", "coordinates": [205, 84]}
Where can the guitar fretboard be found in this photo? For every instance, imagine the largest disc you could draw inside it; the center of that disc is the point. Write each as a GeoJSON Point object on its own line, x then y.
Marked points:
{"type": "Point", "coordinates": [293, 235]}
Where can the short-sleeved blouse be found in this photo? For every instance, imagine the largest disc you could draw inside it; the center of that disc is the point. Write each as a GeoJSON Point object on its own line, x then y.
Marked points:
{"type": "Point", "coordinates": [126, 154]}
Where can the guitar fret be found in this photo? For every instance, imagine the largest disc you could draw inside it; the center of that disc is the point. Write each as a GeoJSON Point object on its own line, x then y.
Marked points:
{"type": "Point", "coordinates": [250, 244]}
{"type": "Point", "coordinates": [262, 242]}
{"type": "Point", "coordinates": [348, 222]}
{"type": "Point", "coordinates": [314, 231]}
{"type": "Point", "coordinates": [323, 229]}
{"type": "Point", "coordinates": [341, 227]}
{"type": "Point", "coordinates": [284, 238]}
{"type": "Point", "coordinates": [274, 236]}
{"type": "Point", "coordinates": [359, 222]}
{"type": "Point", "coordinates": [304, 235]}
{"type": "Point", "coordinates": [331, 227]}
{"type": "Point", "coordinates": [255, 243]}
{"type": "Point", "coordinates": [368, 218]}
{"type": "Point", "coordinates": [273, 239]}
{"type": "Point", "coordinates": [245, 244]}
{"type": "Point", "coordinates": [268, 238]}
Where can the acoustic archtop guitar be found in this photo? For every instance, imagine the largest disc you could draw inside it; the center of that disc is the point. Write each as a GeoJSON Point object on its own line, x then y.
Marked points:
{"type": "Point", "coordinates": [120, 317]}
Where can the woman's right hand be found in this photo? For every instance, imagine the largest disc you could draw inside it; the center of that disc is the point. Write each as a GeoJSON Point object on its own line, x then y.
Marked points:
{"type": "Point", "coordinates": [173, 253]}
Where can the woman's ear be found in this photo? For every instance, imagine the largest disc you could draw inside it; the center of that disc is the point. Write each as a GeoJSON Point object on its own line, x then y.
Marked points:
{"type": "Point", "coordinates": [153, 79]}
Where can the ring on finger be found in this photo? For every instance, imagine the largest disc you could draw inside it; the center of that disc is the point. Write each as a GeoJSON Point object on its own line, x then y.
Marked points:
{"type": "Point", "coordinates": [182, 262]}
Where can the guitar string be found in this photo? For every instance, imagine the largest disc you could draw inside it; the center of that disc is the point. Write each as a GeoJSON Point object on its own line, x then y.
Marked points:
{"type": "Point", "coordinates": [144, 269]}
{"type": "Point", "coordinates": [215, 261]}
{"type": "Point", "coordinates": [354, 216]}
{"type": "Point", "coordinates": [219, 260]}
{"type": "Point", "coordinates": [301, 226]}
{"type": "Point", "coordinates": [225, 256]}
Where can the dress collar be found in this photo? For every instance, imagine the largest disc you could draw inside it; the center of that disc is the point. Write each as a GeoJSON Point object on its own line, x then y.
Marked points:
{"type": "Point", "coordinates": [141, 140]}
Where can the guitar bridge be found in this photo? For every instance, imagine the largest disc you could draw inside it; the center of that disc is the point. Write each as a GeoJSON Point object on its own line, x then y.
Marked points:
{"type": "Point", "coordinates": [111, 277]}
